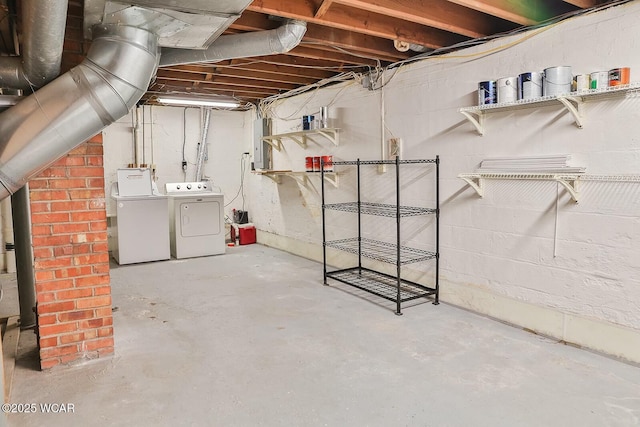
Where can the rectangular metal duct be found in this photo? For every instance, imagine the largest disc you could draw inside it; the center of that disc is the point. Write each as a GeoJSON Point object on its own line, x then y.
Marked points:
{"type": "Point", "coordinates": [187, 24]}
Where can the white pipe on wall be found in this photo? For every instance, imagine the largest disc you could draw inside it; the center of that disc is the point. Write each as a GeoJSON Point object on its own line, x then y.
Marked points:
{"type": "Point", "coordinates": [383, 125]}
{"type": "Point", "coordinates": [138, 136]}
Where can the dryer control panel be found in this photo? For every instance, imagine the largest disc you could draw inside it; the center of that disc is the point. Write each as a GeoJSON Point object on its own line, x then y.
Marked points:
{"type": "Point", "coordinates": [188, 187]}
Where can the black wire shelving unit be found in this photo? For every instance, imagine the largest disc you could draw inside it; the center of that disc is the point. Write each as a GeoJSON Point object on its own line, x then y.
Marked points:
{"type": "Point", "coordinates": [392, 288]}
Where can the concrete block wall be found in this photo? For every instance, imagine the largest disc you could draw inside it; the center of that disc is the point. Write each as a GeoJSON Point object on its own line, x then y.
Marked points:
{"type": "Point", "coordinates": [574, 276]}
{"type": "Point", "coordinates": [71, 259]}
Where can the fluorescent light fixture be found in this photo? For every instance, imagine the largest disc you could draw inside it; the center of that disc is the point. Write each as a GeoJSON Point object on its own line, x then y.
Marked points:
{"type": "Point", "coordinates": [198, 102]}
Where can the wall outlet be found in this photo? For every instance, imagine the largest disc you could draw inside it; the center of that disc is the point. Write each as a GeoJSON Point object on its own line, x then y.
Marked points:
{"type": "Point", "coordinates": [395, 148]}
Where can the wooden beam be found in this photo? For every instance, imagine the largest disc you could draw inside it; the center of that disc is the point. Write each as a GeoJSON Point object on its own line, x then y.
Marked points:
{"type": "Point", "coordinates": [584, 4]}
{"type": "Point", "coordinates": [440, 14]}
{"type": "Point", "coordinates": [324, 6]}
{"type": "Point", "coordinates": [349, 40]}
{"type": "Point", "coordinates": [251, 74]}
{"type": "Point", "coordinates": [354, 55]}
{"type": "Point", "coordinates": [207, 79]}
{"type": "Point", "coordinates": [523, 12]}
{"type": "Point", "coordinates": [164, 85]}
{"type": "Point", "coordinates": [286, 65]}
{"type": "Point", "coordinates": [279, 65]}
{"type": "Point", "coordinates": [331, 56]}
{"type": "Point", "coordinates": [374, 47]}
{"type": "Point", "coordinates": [357, 20]}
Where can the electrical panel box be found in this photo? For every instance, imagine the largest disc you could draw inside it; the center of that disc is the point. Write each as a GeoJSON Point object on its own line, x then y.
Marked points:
{"type": "Point", "coordinates": [261, 149]}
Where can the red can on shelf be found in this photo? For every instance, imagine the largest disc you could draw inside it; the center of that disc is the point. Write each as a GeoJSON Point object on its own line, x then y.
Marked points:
{"type": "Point", "coordinates": [308, 163]}
{"type": "Point", "coordinates": [316, 163]}
{"type": "Point", "coordinates": [327, 163]}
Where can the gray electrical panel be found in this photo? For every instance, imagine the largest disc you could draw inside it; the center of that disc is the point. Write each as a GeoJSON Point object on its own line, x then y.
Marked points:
{"type": "Point", "coordinates": [261, 149]}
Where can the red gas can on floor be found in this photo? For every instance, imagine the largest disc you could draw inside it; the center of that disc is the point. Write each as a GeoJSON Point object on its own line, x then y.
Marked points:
{"type": "Point", "coordinates": [247, 234]}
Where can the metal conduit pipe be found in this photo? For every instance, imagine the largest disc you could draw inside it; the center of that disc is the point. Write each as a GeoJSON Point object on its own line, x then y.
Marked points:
{"type": "Point", "coordinates": [21, 212]}
{"type": "Point", "coordinates": [77, 105]}
{"type": "Point", "coordinates": [43, 24]}
{"type": "Point", "coordinates": [203, 144]}
{"type": "Point", "coordinates": [279, 40]}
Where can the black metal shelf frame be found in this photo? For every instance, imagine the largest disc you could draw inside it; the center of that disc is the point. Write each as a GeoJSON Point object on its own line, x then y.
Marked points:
{"type": "Point", "coordinates": [393, 288]}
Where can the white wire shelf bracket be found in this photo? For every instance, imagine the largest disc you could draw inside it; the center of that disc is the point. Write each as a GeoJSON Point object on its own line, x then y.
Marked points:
{"type": "Point", "coordinates": [572, 102]}
{"type": "Point", "coordinates": [568, 181]}
{"type": "Point", "coordinates": [300, 137]}
{"type": "Point", "coordinates": [301, 177]}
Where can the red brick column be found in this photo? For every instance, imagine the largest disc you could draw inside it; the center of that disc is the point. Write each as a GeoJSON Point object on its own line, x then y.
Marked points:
{"type": "Point", "coordinates": [71, 257]}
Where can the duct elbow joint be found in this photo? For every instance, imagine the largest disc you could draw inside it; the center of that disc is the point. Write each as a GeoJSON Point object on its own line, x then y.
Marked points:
{"type": "Point", "coordinates": [290, 34]}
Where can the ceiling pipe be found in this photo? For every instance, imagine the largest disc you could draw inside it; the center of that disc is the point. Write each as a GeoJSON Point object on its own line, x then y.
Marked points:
{"type": "Point", "coordinates": [77, 105]}
{"type": "Point", "coordinates": [43, 25]}
{"type": "Point", "coordinates": [258, 43]}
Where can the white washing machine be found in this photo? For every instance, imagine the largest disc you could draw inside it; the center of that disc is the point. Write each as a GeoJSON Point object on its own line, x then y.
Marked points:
{"type": "Point", "coordinates": [196, 220]}
{"type": "Point", "coordinates": [139, 229]}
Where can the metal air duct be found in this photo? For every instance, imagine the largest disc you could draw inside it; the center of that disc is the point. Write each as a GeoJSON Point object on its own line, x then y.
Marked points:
{"type": "Point", "coordinates": [279, 40]}
{"type": "Point", "coordinates": [77, 105]}
{"type": "Point", "coordinates": [43, 24]}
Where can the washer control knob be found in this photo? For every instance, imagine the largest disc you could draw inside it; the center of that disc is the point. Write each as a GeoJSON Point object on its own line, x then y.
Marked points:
{"type": "Point", "coordinates": [177, 187]}
{"type": "Point", "coordinates": [199, 186]}
{"type": "Point", "coordinates": [188, 186]}
{"type": "Point", "coordinates": [204, 186]}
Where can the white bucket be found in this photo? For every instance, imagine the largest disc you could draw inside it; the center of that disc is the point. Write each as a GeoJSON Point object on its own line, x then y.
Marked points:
{"type": "Point", "coordinates": [599, 79]}
{"type": "Point", "coordinates": [507, 89]}
{"type": "Point", "coordinates": [581, 83]}
{"type": "Point", "coordinates": [529, 85]}
{"type": "Point", "coordinates": [557, 81]}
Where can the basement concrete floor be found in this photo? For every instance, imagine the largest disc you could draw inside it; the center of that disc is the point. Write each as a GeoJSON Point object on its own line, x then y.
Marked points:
{"type": "Point", "coordinates": [252, 338]}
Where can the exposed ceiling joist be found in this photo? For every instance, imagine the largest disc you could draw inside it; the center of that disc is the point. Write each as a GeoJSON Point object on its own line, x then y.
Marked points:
{"type": "Point", "coordinates": [584, 4]}
{"type": "Point", "coordinates": [214, 88]}
{"type": "Point", "coordinates": [349, 40]}
{"type": "Point", "coordinates": [523, 12]}
{"type": "Point", "coordinates": [440, 14]}
{"type": "Point", "coordinates": [323, 8]}
{"type": "Point", "coordinates": [358, 20]}
{"type": "Point", "coordinates": [211, 78]}
{"type": "Point", "coordinates": [335, 57]}
{"type": "Point", "coordinates": [250, 74]}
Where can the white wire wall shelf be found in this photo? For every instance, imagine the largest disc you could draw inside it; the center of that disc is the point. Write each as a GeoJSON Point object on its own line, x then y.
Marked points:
{"type": "Point", "coordinates": [568, 181]}
{"type": "Point", "coordinates": [391, 287]}
{"type": "Point", "coordinates": [300, 137]}
{"type": "Point", "coordinates": [572, 102]}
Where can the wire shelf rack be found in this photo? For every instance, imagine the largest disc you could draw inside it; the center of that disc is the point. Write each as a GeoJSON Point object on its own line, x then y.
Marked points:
{"type": "Point", "coordinates": [381, 251]}
{"type": "Point", "coordinates": [393, 288]}
{"type": "Point", "coordinates": [380, 209]}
